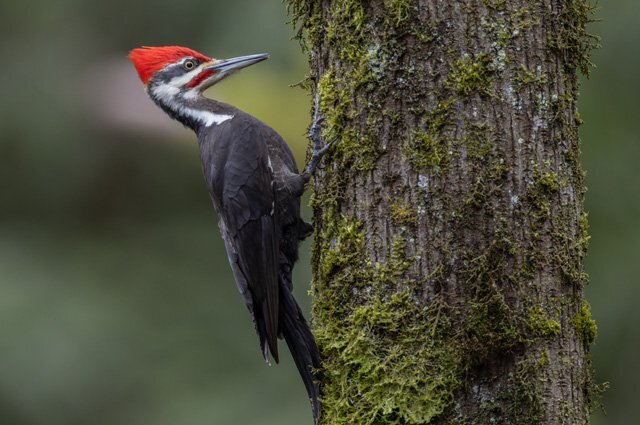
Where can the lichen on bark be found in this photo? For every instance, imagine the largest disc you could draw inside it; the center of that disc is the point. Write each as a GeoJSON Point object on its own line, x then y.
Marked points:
{"type": "Point", "coordinates": [450, 230]}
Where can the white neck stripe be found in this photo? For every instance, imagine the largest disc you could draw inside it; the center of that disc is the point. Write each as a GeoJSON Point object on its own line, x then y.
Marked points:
{"type": "Point", "coordinates": [167, 95]}
{"type": "Point", "coordinates": [207, 118]}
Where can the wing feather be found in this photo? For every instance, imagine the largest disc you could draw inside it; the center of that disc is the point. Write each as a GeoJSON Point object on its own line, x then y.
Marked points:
{"type": "Point", "coordinates": [251, 234]}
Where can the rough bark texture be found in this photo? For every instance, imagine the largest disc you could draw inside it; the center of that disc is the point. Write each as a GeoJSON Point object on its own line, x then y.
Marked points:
{"type": "Point", "coordinates": [450, 230]}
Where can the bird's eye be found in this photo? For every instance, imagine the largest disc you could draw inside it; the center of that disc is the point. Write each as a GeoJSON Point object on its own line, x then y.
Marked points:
{"type": "Point", "coordinates": [189, 65]}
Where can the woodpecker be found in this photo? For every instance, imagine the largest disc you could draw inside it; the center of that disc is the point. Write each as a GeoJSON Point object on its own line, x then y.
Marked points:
{"type": "Point", "coordinates": [255, 187]}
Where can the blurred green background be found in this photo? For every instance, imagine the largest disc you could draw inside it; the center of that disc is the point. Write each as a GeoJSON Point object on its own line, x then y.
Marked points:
{"type": "Point", "coordinates": [116, 301]}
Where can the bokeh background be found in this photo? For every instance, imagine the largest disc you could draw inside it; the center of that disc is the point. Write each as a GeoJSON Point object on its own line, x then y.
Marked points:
{"type": "Point", "coordinates": [116, 301]}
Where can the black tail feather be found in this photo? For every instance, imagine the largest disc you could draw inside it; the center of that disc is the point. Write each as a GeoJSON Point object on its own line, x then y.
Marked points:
{"type": "Point", "coordinates": [302, 345]}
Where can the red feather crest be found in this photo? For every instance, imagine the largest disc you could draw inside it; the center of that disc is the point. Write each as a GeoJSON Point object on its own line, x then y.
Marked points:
{"type": "Point", "coordinates": [149, 60]}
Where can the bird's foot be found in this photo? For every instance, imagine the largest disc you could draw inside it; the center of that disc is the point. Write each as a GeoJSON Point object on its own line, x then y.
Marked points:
{"type": "Point", "coordinates": [315, 136]}
{"type": "Point", "coordinates": [316, 156]}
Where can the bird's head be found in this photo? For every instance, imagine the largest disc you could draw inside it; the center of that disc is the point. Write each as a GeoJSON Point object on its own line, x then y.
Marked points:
{"type": "Point", "coordinates": [173, 71]}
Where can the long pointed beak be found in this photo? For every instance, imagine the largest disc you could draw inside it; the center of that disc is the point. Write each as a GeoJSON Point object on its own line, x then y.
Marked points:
{"type": "Point", "coordinates": [234, 64]}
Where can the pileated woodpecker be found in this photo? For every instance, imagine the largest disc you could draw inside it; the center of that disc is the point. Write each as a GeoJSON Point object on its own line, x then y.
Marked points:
{"type": "Point", "coordinates": [255, 187]}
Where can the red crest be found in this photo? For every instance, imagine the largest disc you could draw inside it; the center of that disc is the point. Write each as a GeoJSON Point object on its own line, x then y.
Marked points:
{"type": "Point", "coordinates": [149, 60]}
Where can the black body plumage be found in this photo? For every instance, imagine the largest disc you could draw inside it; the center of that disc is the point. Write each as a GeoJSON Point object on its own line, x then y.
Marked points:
{"type": "Point", "coordinates": [255, 187]}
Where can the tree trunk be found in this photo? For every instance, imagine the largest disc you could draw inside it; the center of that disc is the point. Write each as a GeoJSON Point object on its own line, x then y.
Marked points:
{"type": "Point", "coordinates": [450, 229]}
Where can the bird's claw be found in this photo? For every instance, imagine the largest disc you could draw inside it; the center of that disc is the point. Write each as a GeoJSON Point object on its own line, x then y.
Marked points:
{"type": "Point", "coordinates": [315, 136]}
{"type": "Point", "coordinates": [320, 152]}
{"type": "Point", "coordinates": [316, 155]}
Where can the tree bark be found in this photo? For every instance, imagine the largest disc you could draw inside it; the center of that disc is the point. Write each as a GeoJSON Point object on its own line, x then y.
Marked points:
{"type": "Point", "coordinates": [450, 228]}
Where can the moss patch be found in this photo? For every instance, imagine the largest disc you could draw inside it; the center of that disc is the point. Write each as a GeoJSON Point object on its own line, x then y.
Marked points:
{"type": "Point", "coordinates": [388, 360]}
{"type": "Point", "coordinates": [571, 38]}
{"type": "Point", "coordinates": [429, 148]}
{"type": "Point", "coordinates": [404, 214]}
{"type": "Point", "coordinates": [398, 9]}
{"type": "Point", "coordinates": [522, 396]}
{"type": "Point", "coordinates": [492, 327]}
{"type": "Point", "coordinates": [355, 149]}
{"type": "Point", "coordinates": [426, 150]}
{"type": "Point", "coordinates": [470, 74]}
{"type": "Point", "coordinates": [377, 377]}
{"type": "Point", "coordinates": [584, 324]}
{"type": "Point", "coordinates": [527, 78]}
{"type": "Point", "coordinates": [541, 325]}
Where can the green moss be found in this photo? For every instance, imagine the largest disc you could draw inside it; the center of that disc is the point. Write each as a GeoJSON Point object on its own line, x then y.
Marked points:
{"type": "Point", "coordinates": [498, 5]}
{"type": "Point", "coordinates": [543, 360]}
{"type": "Point", "coordinates": [525, 77]}
{"type": "Point", "coordinates": [421, 35]}
{"type": "Point", "coordinates": [398, 10]}
{"type": "Point", "coordinates": [523, 19]}
{"type": "Point", "coordinates": [571, 38]}
{"type": "Point", "coordinates": [493, 324]}
{"type": "Point", "coordinates": [334, 101]}
{"type": "Point", "coordinates": [336, 105]}
{"type": "Point", "coordinates": [492, 327]}
{"type": "Point", "coordinates": [404, 215]}
{"type": "Point", "coordinates": [376, 377]}
{"type": "Point", "coordinates": [520, 401]}
{"type": "Point", "coordinates": [540, 194]}
{"type": "Point", "coordinates": [430, 148]}
{"type": "Point", "coordinates": [469, 75]}
{"type": "Point", "coordinates": [346, 29]}
{"type": "Point", "coordinates": [426, 151]}
{"type": "Point", "coordinates": [541, 325]}
{"type": "Point", "coordinates": [560, 105]}
{"type": "Point", "coordinates": [488, 167]}
{"type": "Point", "coordinates": [345, 240]}
{"type": "Point", "coordinates": [546, 182]}
{"type": "Point", "coordinates": [306, 16]}
{"type": "Point", "coordinates": [522, 397]}
{"type": "Point", "coordinates": [340, 89]}
{"type": "Point", "coordinates": [584, 324]}
{"type": "Point", "coordinates": [479, 147]}
{"type": "Point", "coordinates": [595, 391]}
{"type": "Point", "coordinates": [583, 238]}
{"type": "Point", "coordinates": [502, 27]}
{"type": "Point", "coordinates": [373, 375]}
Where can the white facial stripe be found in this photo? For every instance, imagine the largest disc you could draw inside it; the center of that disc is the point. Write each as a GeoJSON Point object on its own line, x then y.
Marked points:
{"type": "Point", "coordinates": [185, 78]}
{"type": "Point", "coordinates": [193, 93]}
{"type": "Point", "coordinates": [166, 92]}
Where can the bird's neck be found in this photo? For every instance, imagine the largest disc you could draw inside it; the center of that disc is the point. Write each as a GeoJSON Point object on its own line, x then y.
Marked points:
{"type": "Point", "coordinates": [193, 111]}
